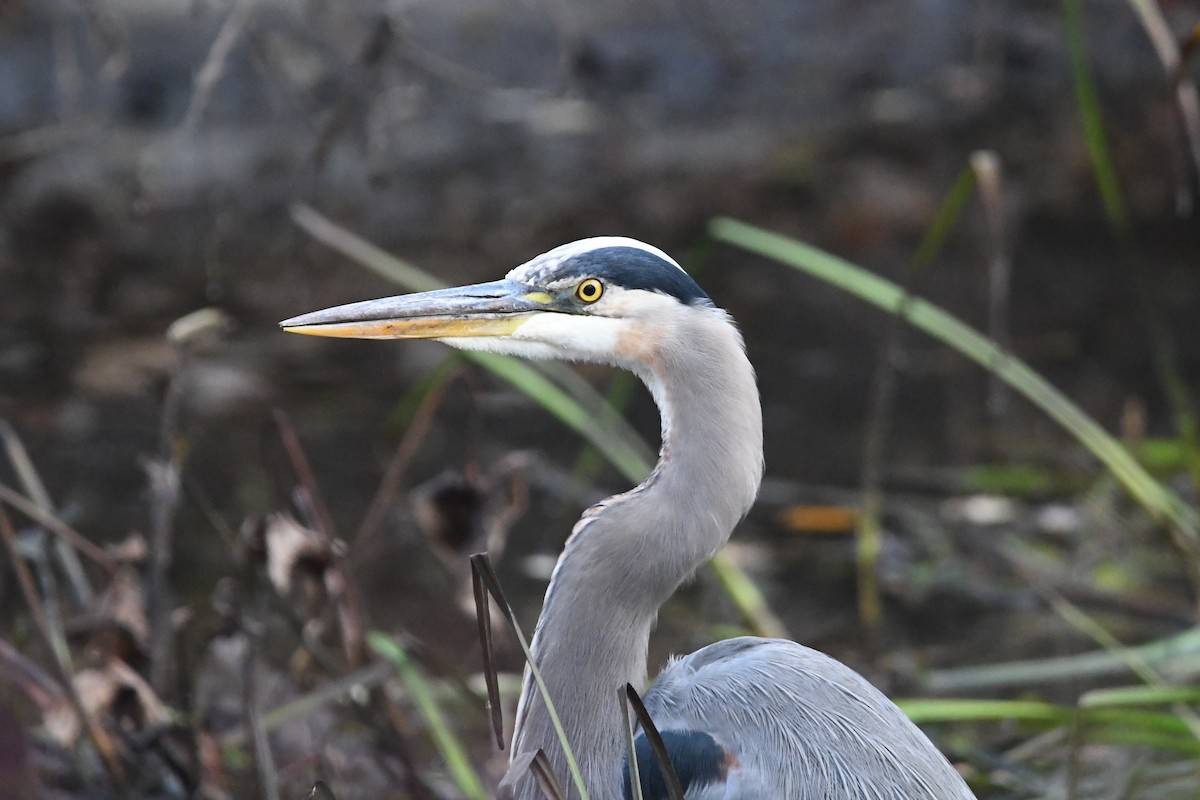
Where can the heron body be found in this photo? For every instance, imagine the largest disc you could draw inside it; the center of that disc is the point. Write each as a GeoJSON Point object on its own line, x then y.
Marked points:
{"type": "Point", "coordinates": [743, 718]}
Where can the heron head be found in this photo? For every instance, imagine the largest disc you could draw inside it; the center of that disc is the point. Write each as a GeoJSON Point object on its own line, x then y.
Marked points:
{"type": "Point", "coordinates": [606, 299]}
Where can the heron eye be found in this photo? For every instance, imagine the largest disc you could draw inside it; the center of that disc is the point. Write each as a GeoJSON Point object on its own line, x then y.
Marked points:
{"type": "Point", "coordinates": [589, 291]}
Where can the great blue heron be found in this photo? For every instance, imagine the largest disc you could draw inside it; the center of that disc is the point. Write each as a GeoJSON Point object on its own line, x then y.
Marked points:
{"type": "Point", "coordinates": [742, 718]}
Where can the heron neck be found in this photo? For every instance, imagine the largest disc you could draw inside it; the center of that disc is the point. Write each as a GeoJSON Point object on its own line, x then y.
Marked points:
{"type": "Point", "coordinates": [629, 553]}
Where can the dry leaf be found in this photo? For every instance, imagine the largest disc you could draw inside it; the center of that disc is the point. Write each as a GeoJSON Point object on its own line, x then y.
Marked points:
{"type": "Point", "coordinates": [124, 605]}
{"type": "Point", "coordinates": [130, 550]}
{"type": "Point", "coordinates": [112, 690]}
{"type": "Point", "coordinates": [289, 545]}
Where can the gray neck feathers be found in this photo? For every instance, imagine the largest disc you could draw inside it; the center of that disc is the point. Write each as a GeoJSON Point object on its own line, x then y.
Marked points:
{"type": "Point", "coordinates": [628, 554]}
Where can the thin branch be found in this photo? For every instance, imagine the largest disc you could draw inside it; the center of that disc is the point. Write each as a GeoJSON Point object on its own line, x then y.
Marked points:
{"type": "Point", "coordinates": [1174, 62]}
{"type": "Point", "coordinates": [98, 736]}
{"type": "Point", "coordinates": [164, 486]}
{"type": "Point", "coordinates": [35, 489]}
{"type": "Point", "coordinates": [360, 80]}
{"type": "Point", "coordinates": [214, 65]}
{"type": "Point", "coordinates": [304, 473]}
{"type": "Point", "coordinates": [343, 591]}
{"type": "Point", "coordinates": [366, 678]}
{"type": "Point", "coordinates": [57, 527]}
{"type": "Point", "coordinates": [989, 177]}
{"type": "Point", "coordinates": [264, 761]}
{"type": "Point", "coordinates": [37, 685]}
{"type": "Point", "coordinates": [410, 443]}
{"type": "Point", "coordinates": [38, 141]}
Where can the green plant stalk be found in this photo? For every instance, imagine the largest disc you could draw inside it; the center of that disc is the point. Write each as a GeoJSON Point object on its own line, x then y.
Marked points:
{"type": "Point", "coordinates": [452, 750]}
{"type": "Point", "coordinates": [1089, 627]}
{"type": "Point", "coordinates": [1167, 364]}
{"type": "Point", "coordinates": [1177, 655]}
{"type": "Point", "coordinates": [1113, 725]}
{"type": "Point", "coordinates": [747, 598]}
{"type": "Point", "coordinates": [868, 541]}
{"type": "Point", "coordinates": [1160, 502]}
{"type": "Point", "coordinates": [947, 217]}
{"type": "Point", "coordinates": [1093, 122]}
{"type": "Point", "coordinates": [367, 677]}
{"type": "Point", "coordinates": [1140, 696]}
{"type": "Point", "coordinates": [1100, 155]}
{"type": "Point", "coordinates": [405, 409]}
{"type": "Point", "coordinates": [589, 461]}
{"type": "Point", "coordinates": [538, 387]}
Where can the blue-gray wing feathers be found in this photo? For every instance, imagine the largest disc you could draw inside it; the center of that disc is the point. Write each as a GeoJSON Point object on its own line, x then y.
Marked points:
{"type": "Point", "coordinates": [790, 723]}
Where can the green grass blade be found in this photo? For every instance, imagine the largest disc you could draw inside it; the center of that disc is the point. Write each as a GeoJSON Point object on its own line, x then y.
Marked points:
{"type": "Point", "coordinates": [1175, 657]}
{"type": "Point", "coordinates": [452, 750]}
{"type": "Point", "coordinates": [624, 456]}
{"type": "Point", "coordinates": [1093, 122]}
{"type": "Point", "coordinates": [590, 460]}
{"type": "Point", "coordinates": [1160, 502]}
{"type": "Point", "coordinates": [869, 531]}
{"type": "Point", "coordinates": [361, 251]}
{"type": "Point", "coordinates": [947, 216]}
{"type": "Point", "coordinates": [747, 598]}
{"type": "Point", "coordinates": [1111, 725]}
{"type": "Point", "coordinates": [925, 710]}
{"type": "Point", "coordinates": [1140, 696]}
{"type": "Point", "coordinates": [1144, 670]}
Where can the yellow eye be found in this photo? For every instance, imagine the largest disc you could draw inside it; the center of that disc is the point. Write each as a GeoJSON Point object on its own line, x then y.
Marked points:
{"type": "Point", "coordinates": [589, 291]}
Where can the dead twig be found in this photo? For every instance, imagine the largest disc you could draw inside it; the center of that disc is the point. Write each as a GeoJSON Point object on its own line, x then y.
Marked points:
{"type": "Point", "coordinates": [57, 644]}
{"type": "Point", "coordinates": [435, 65]}
{"type": "Point", "coordinates": [37, 685]}
{"type": "Point", "coordinates": [361, 251]}
{"type": "Point", "coordinates": [38, 141]}
{"type": "Point", "coordinates": [68, 559]}
{"type": "Point", "coordinates": [163, 478]}
{"type": "Point", "coordinates": [360, 81]}
{"type": "Point", "coordinates": [1174, 62]}
{"type": "Point", "coordinates": [57, 527]}
{"type": "Point", "coordinates": [304, 473]}
{"type": "Point", "coordinates": [68, 76]}
{"type": "Point", "coordinates": [342, 591]}
{"type": "Point", "coordinates": [989, 177]}
{"type": "Point", "coordinates": [107, 28]}
{"type": "Point", "coordinates": [393, 477]}
{"type": "Point", "coordinates": [264, 761]}
{"type": "Point", "coordinates": [366, 678]}
{"type": "Point", "coordinates": [214, 64]}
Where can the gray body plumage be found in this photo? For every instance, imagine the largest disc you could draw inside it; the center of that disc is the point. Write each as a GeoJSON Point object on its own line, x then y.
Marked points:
{"type": "Point", "coordinates": [797, 724]}
{"type": "Point", "coordinates": [788, 722]}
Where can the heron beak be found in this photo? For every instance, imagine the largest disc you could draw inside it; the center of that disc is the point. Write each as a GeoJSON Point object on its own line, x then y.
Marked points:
{"type": "Point", "coordinates": [484, 309]}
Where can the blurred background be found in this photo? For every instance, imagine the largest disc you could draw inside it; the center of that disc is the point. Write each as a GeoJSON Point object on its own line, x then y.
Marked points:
{"type": "Point", "coordinates": [175, 177]}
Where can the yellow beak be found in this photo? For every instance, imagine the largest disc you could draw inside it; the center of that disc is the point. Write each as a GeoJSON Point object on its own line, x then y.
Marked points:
{"type": "Point", "coordinates": [484, 309]}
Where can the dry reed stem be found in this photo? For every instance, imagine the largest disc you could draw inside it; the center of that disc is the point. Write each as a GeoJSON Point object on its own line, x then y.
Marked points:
{"type": "Point", "coordinates": [343, 591]}
{"type": "Point", "coordinates": [213, 68]}
{"type": "Point", "coordinates": [99, 737]}
{"type": "Point", "coordinates": [392, 482]}
{"type": "Point", "coordinates": [57, 527]}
